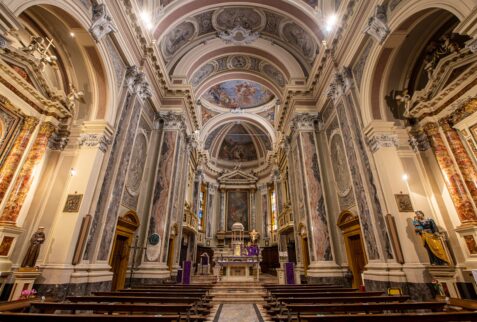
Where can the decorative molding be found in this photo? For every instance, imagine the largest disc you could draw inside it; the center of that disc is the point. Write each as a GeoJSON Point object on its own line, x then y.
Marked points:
{"type": "Point", "coordinates": [3, 41]}
{"type": "Point", "coordinates": [239, 36]}
{"type": "Point", "coordinates": [94, 140]}
{"type": "Point", "coordinates": [174, 121]}
{"type": "Point", "coordinates": [472, 45]}
{"type": "Point", "coordinates": [263, 188]}
{"type": "Point", "coordinates": [342, 83]}
{"type": "Point", "coordinates": [377, 25]}
{"type": "Point", "coordinates": [136, 82]}
{"type": "Point", "coordinates": [304, 121]}
{"type": "Point", "coordinates": [59, 140]}
{"type": "Point", "coordinates": [102, 23]}
{"type": "Point", "coordinates": [418, 141]}
{"type": "Point", "coordinates": [382, 140]}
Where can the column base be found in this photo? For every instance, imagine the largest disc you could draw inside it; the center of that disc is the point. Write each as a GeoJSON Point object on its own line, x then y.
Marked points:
{"type": "Point", "coordinates": [326, 272]}
{"type": "Point", "coordinates": [8, 238]}
{"type": "Point", "coordinates": [24, 280]}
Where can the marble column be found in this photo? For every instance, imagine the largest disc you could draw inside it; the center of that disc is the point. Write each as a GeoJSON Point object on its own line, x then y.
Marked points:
{"type": "Point", "coordinates": [210, 215]}
{"type": "Point", "coordinates": [317, 218]}
{"type": "Point", "coordinates": [222, 210]}
{"type": "Point", "coordinates": [253, 210]}
{"type": "Point", "coordinates": [465, 164]}
{"type": "Point", "coordinates": [265, 212]}
{"type": "Point", "coordinates": [453, 181]}
{"type": "Point", "coordinates": [25, 178]}
{"type": "Point", "coordinates": [197, 186]}
{"type": "Point", "coordinates": [14, 157]}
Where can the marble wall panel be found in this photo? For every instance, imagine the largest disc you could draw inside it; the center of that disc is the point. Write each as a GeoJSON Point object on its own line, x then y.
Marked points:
{"type": "Point", "coordinates": [209, 213]}
{"type": "Point", "coordinates": [364, 212]}
{"type": "Point", "coordinates": [117, 189]}
{"type": "Point", "coordinates": [108, 176]}
{"type": "Point", "coordinates": [316, 200]}
{"type": "Point", "coordinates": [265, 213]}
{"type": "Point", "coordinates": [370, 179]}
{"type": "Point", "coordinates": [163, 184]}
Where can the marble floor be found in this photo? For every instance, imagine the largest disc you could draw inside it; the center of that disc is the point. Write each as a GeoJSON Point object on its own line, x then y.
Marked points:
{"type": "Point", "coordinates": [238, 313]}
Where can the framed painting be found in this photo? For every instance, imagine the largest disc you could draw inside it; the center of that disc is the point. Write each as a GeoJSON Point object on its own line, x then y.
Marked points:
{"type": "Point", "coordinates": [404, 202]}
{"type": "Point", "coordinates": [237, 208]}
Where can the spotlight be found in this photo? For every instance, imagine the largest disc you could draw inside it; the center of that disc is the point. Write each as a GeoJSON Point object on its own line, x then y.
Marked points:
{"type": "Point", "coordinates": [146, 19]}
{"type": "Point", "coordinates": [72, 34]}
{"type": "Point", "coordinates": [331, 22]}
{"type": "Point", "coordinates": [405, 177]}
{"type": "Point", "coordinates": [73, 172]}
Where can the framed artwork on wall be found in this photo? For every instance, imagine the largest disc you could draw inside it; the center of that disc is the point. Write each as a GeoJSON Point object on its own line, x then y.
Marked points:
{"type": "Point", "coordinates": [237, 208]}
{"type": "Point", "coordinates": [404, 202]}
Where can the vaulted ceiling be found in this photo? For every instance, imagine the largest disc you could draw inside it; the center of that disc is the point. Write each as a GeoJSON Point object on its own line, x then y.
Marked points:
{"type": "Point", "coordinates": [237, 58]}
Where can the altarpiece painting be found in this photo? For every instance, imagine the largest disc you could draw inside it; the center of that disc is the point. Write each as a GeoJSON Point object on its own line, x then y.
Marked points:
{"type": "Point", "coordinates": [237, 209]}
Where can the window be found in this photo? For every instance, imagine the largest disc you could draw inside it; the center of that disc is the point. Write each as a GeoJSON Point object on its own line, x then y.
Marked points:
{"type": "Point", "coordinates": [273, 207]}
{"type": "Point", "coordinates": [201, 213]}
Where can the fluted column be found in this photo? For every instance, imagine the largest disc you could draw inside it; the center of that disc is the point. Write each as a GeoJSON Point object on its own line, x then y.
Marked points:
{"type": "Point", "coordinates": [222, 210]}
{"type": "Point", "coordinates": [456, 186]}
{"type": "Point", "coordinates": [14, 157]}
{"type": "Point", "coordinates": [25, 178]}
{"type": "Point", "coordinates": [462, 159]}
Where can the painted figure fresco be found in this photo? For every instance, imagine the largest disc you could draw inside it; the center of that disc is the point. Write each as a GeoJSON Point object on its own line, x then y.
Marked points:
{"type": "Point", "coordinates": [238, 94]}
{"type": "Point", "coordinates": [238, 145]}
{"type": "Point", "coordinates": [237, 208]}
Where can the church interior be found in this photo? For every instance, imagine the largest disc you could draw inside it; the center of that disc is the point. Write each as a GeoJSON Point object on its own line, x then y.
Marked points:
{"type": "Point", "coordinates": [242, 153]}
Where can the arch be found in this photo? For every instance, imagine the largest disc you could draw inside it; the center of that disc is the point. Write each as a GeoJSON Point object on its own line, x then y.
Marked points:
{"type": "Point", "coordinates": [382, 57]}
{"type": "Point", "coordinates": [221, 119]}
{"type": "Point", "coordinates": [83, 17]}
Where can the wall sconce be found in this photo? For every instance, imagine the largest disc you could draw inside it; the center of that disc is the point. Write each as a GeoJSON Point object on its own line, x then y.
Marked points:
{"type": "Point", "coordinates": [73, 172]}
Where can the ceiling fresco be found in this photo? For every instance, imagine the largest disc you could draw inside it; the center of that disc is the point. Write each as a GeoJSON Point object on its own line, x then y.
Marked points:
{"type": "Point", "coordinates": [238, 94]}
{"type": "Point", "coordinates": [270, 25]}
{"type": "Point", "coordinates": [238, 146]}
{"type": "Point", "coordinates": [238, 63]}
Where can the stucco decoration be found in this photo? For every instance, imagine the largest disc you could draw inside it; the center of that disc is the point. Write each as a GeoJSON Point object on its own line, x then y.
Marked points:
{"type": "Point", "coordinates": [202, 74]}
{"type": "Point", "coordinates": [311, 3]}
{"type": "Point", "coordinates": [272, 72]}
{"type": "Point", "coordinates": [238, 94]}
{"type": "Point", "coordinates": [228, 18]}
{"type": "Point", "coordinates": [340, 167]}
{"type": "Point", "coordinates": [136, 166]}
{"type": "Point", "coordinates": [238, 62]}
{"type": "Point", "coordinates": [300, 39]}
{"type": "Point", "coordinates": [177, 38]}
{"type": "Point", "coordinates": [207, 114]}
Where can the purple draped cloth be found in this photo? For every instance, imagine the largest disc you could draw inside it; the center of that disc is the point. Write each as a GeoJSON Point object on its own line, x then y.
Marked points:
{"type": "Point", "coordinates": [186, 272]}
{"type": "Point", "coordinates": [290, 273]}
{"type": "Point", "coordinates": [253, 250]}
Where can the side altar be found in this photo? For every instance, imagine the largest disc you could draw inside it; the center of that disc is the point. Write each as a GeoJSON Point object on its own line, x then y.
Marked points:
{"type": "Point", "coordinates": [239, 263]}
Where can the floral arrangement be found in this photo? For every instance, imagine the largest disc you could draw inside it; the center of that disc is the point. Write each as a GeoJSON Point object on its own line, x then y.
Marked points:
{"type": "Point", "coordinates": [28, 293]}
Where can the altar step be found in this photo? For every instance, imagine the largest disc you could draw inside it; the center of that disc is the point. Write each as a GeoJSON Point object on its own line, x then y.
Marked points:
{"type": "Point", "coordinates": [238, 292]}
{"type": "Point", "coordinates": [203, 279]}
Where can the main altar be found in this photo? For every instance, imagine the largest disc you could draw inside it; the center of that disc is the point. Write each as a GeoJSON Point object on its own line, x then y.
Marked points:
{"type": "Point", "coordinates": [238, 263]}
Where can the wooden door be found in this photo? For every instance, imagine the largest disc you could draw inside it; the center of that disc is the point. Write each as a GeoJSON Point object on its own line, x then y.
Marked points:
{"type": "Point", "coordinates": [291, 251]}
{"type": "Point", "coordinates": [305, 254]}
{"type": "Point", "coordinates": [170, 254]}
{"type": "Point", "coordinates": [120, 260]}
{"type": "Point", "coordinates": [357, 258]}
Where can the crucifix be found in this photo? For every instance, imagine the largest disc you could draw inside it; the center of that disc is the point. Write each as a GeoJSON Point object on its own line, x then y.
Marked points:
{"type": "Point", "coordinates": [133, 262]}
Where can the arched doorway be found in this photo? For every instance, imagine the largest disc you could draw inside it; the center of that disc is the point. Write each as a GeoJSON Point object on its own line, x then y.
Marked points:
{"type": "Point", "coordinates": [349, 225]}
{"type": "Point", "coordinates": [127, 225]}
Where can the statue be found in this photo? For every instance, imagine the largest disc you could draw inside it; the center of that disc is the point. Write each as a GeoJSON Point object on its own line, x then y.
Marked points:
{"type": "Point", "coordinates": [431, 238]}
{"type": "Point", "coordinates": [34, 250]}
{"type": "Point", "coordinates": [254, 235]}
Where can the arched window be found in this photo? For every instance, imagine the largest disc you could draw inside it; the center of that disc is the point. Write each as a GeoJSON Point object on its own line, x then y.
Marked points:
{"type": "Point", "coordinates": [273, 210]}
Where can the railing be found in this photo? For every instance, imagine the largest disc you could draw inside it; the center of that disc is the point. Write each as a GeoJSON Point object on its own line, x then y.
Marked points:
{"type": "Point", "coordinates": [285, 218]}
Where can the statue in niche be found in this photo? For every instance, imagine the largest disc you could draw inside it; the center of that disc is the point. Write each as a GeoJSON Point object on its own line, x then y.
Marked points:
{"type": "Point", "coordinates": [431, 238]}
{"type": "Point", "coordinates": [34, 250]}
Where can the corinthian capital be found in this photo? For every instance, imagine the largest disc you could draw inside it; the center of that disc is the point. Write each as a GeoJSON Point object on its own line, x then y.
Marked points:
{"type": "Point", "coordinates": [136, 82]}
{"type": "Point", "coordinates": [102, 23]}
{"type": "Point", "coordinates": [377, 25]}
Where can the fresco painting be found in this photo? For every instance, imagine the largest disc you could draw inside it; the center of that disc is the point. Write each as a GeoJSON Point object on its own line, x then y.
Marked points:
{"type": "Point", "coordinates": [238, 94]}
{"type": "Point", "coordinates": [238, 145]}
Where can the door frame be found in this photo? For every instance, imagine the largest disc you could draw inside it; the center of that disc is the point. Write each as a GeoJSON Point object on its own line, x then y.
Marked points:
{"type": "Point", "coordinates": [350, 227]}
{"type": "Point", "coordinates": [126, 227]}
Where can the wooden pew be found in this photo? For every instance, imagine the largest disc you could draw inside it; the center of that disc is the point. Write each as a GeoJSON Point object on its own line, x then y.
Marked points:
{"type": "Point", "coordinates": [37, 317]}
{"type": "Point", "coordinates": [321, 289]}
{"type": "Point", "coordinates": [134, 299]}
{"type": "Point", "coordinates": [314, 294]}
{"type": "Point", "coordinates": [341, 299]}
{"type": "Point", "coordinates": [51, 307]}
{"type": "Point", "coordinates": [171, 293]}
{"type": "Point", "coordinates": [307, 308]}
{"type": "Point", "coordinates": [386, 317]}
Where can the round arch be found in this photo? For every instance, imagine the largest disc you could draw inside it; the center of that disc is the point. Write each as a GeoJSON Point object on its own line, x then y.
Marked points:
{"type": "Point", "coordinates": [83, 17]}
{"type": "Point", "coordinates": [221, 119]}
{"type": "Point", "coordinates": [380, 57]}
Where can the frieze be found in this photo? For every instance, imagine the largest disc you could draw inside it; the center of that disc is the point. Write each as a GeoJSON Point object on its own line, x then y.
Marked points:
{"type": "Point", "coordinates": [382, 140]}
{"type": "Point", "coordinates": [102, 23]}
{"type": "Point", "coordinates": [239, 36]}
{"type": "Point", "coordinates": [377, 25]}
